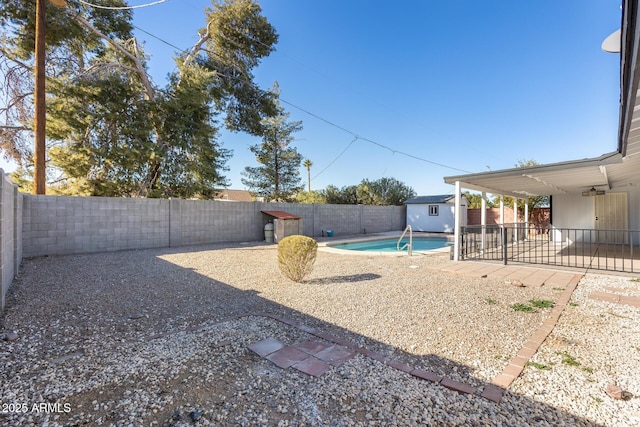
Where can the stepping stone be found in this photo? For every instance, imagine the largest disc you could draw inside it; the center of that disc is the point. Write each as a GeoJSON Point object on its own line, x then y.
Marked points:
{"type": "Point", "coordinates": [287, 356]}
{"type": "Point", "coordinates": [313, 346]}
{"type": "Point", "coordinates": [493, 393]}
{"type": "Point", "coordinates": [266, 346]}
{"type": "Point", "coordinates": [335, 355]}
{"type": "Point", "coordinates": [312, 366]}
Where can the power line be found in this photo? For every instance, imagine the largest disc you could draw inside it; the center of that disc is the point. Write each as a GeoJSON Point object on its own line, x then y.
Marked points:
{"type": "Point", "coordinates": [371, 141]}
{"type": "Point", "coordinates": [97, 6]}
{"type": "Point", "coordinates": [334, 160]}
{"type": "Point", "coordinates": [355, 136]}
{"type": "Point", "coordinates": [159, 39]}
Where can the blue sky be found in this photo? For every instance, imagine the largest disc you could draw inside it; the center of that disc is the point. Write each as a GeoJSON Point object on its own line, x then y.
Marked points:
{"type": "Point", "coordinates": [470, 85]}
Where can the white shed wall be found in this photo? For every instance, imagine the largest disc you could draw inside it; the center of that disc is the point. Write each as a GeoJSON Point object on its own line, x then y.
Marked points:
{"type": "Point", "coordinates": [419, 219]}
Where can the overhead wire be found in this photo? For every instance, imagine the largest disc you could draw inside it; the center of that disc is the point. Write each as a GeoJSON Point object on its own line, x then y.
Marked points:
{"type": "Point", "coordinates": [353, 134]}
{"type": "Point", "coordinates": [334, 160]}
{"type": "Point", "coordinates": [393, 151]}
{"type": "Point", "coordinates": [98, 6]}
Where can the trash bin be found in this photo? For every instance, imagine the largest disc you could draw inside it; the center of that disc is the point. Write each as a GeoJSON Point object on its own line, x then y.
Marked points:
{"type": "Point", "coordinates": [268, 232]}
{"type": "Point", "coordinates": [329, 233]}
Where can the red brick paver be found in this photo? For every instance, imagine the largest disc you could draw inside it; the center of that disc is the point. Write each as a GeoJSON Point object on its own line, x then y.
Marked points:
{"type": "Point", "coordinates": [615, 298]}
{"type": "Point", "coordinates": [493, 392]}
{"type": "Point", "coordinates": [517, 363]}
{"type": "Point", "coordinates": [287, 356]}
{"type": "Point", "coordinates": [312, 366]}
{"type": "Point", "coordinates": [334, 355]}
{"type": "Point", "coordinates": [426, 375]}
{"type": "Point", "coordinates": [313, 346]}
{"type": "Point", "coordinates": [457, 386]}
{"type": "Point", "coordinates": [266, 346]}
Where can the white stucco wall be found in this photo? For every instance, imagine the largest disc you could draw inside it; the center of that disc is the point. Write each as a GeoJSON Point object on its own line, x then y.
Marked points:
{"type": "Point", "coordinates": [578, 212]}
{"type": "Point", "coordinates": [419, 219]}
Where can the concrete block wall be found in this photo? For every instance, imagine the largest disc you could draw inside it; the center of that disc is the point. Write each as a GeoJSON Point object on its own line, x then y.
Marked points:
{"type": "Point", "coordinates": [204, 221]}
{"type": "Point", "coordinates": [377, 219]}
{"type": "Point", "coordinates": [341, 219]}
{"type": "Point", "coordinates": [344, 219]}
{"type": "Point", "coordinates": [10, 235]}
{"type": "Point", "coordinates": [60, 225]}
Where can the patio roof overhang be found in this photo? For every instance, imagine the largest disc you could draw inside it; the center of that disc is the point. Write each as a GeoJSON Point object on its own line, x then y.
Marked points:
{"type": "Point", "coordinates": [571, 177]}
{"type": "Point", "coordinates": [617, 169]}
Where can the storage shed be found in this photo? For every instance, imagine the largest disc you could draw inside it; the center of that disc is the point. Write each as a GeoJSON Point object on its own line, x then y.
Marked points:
{"type": "Point", "coordinates": [435, 213]}
{"type": "Point", "coordinates": [284, 224]}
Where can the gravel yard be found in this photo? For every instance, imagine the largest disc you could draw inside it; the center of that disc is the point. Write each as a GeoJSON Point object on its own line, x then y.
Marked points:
{"type": "Point", "coordinates": [159, 337]}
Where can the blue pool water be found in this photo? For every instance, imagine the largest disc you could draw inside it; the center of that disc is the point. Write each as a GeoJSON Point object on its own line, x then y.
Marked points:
{"type": "Point", "coordinates": [390, 245]}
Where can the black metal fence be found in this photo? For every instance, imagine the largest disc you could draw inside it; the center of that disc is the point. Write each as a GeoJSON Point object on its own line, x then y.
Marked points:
{"type": "Point", "coordinates": [611, 250]}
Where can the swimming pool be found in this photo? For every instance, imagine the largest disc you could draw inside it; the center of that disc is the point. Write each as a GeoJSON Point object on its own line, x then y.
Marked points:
{"type": "Point", "coordinates": [391, 245]}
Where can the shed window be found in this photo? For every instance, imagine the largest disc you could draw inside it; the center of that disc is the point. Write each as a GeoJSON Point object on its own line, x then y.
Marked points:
{"type": "Point", "coordinates": [433, 210]}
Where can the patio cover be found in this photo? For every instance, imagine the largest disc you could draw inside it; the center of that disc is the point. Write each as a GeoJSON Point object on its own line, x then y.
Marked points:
{"type": "Point", "coordinates": [617, 169]}
{"type": "Point", "coordinates": [571, 177]}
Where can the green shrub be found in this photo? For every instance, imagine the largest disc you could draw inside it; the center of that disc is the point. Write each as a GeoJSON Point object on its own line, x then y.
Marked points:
{"type": "Point", "coordinates": [541, 303]}
{"type": "Point", "coordinates": [523, 307]}
{"type": "Point", "coordinates": [296, 256]}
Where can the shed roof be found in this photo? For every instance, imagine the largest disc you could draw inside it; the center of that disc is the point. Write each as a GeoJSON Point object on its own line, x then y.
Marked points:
{"type": "Point", "coordinates": [280, 214]}
{"type": "Point", "coordinates": [443, 198]}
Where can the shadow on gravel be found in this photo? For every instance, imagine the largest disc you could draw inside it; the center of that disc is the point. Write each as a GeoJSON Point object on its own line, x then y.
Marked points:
{"type": "Point", "coordinates": [342, 279]}
{"type": "Point", "coordinates": [88, 304]}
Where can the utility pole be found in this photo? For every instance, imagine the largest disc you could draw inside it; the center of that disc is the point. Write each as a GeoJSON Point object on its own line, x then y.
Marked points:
{"type": "Point", "coordinates": [39, 160]}
{"type": "Point", "coordinates": [40, 113]}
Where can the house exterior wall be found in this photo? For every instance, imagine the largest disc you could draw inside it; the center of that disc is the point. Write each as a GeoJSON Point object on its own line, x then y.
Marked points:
{"type": "Point", "coordinates": [578, 212]}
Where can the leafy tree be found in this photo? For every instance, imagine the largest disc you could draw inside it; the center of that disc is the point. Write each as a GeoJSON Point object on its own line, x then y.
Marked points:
{"type": "Point", "coordinates": [384, 191]}
{"type": "Point", "coordinates": [347, 195]}
{"type": "Point", "coordinates": [69, 45]}
{"type": "Point", "coordinates": [278, 177]}
{"type": "Point", "coordinates": [310, 197]}
{"type": "Point", "coordinates": [115, 132]}
{"type": "Point", "coordinates": [475, 201]}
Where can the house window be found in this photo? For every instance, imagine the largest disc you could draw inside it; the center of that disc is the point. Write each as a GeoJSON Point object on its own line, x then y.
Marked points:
{"type": "Point", "coordinates": [433, 210]}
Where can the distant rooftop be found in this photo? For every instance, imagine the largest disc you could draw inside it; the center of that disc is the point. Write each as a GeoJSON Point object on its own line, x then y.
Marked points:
{"type": "Point", "coordinates": [235, 195]}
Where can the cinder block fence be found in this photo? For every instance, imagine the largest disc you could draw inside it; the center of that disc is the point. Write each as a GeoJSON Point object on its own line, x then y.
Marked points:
{"type": "Point", "coordinates": [60, 225]}
{"type": "Point", "coordinates": [34, 226]}
{"type": "Point", "coordinates": [11, 211]}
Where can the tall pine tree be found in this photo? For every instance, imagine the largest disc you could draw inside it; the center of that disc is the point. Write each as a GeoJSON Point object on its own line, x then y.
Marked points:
{"type": "Point", "coordinates": [278, 176]}
{"type": "Point", "coordinates": [112, 130]}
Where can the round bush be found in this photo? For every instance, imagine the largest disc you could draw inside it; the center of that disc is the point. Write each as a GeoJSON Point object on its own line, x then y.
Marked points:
{"type": "Point", "coordinates": [296, 256]}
